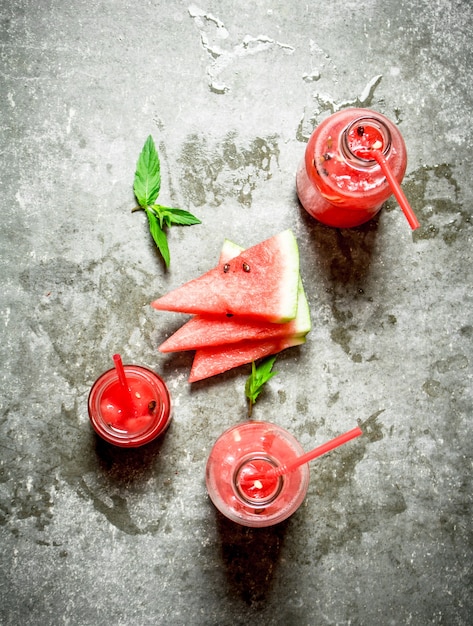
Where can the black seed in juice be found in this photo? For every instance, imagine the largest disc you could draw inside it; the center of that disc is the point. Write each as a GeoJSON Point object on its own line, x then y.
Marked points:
{"type": "Point", "coordinates": [360, 131]}
{"type": "Point", "coordinates": [226, 267]}
{"type": "Point", "coordinates": [246, 267]}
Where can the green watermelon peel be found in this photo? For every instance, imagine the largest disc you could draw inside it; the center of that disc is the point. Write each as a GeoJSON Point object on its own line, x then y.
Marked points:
{"type": "Point", "coordinates": [206, 331]}
{"type": "Point", "coordinates": [224, 342]}
{"type": "Point", "coordinates": [219, 359]}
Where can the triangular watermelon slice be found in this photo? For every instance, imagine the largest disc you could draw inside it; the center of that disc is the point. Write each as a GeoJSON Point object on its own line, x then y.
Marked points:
{"type": "Point", "coordinates": [202, 331]}
{"type": "Point", "coordinates": [216, 360]}
{"type": "Point", "coordinates": [260, 283]}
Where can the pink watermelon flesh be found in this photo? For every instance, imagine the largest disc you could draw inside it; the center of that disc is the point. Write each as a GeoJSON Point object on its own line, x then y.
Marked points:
{"type": "Point", "coordinates": [216, 360]}
{"type": "Point", "coordinates": [260, 283]}
{"type": "Point", "coordinates": [203, 331]}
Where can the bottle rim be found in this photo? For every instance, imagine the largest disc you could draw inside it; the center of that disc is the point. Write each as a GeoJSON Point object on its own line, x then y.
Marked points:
{"type": "Point", "coordinates": [362, 122]}
{"type": "Point", "coordinates": [244, 497]}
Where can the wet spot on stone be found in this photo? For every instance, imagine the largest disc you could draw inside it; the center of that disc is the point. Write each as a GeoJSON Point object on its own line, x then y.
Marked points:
{"type": "Point", "coordinates": [452, 363]}
{"type": "Point", "coordinates": [302, 406]}
{"type": "Point", "coordinates": [342, 336]}
{"type": "Point", "coordinates": [435, 195]}
{"type": "Point", "coordinates": [31, 500]}
{"type": "Point", "coordinates": [466, 331]}
{"type": "Point", "coordinates": [333, 399]}
{"type": "Point", "coordinates": [372, 429]}
{"type": "Point", "coordinates": [282, 396]}
{"type": "Point", "coordinates": [333, 480]}
{"type": "Point", "coordinates": [433, 388]}
{"type": "Point", "coordinates": [394, 501]}
{"type": "Point", "coordinates": [229, 168]}
{"type": "Point", "coordinates": [51, 277]}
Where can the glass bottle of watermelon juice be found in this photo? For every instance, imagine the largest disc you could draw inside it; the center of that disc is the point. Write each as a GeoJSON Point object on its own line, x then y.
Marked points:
{"type": "Point", "coordinates": [129, 419]}
{"type": "Point", "coordinates": [338, 181]}
{"type": "Point", "coordinates": [235, 474]}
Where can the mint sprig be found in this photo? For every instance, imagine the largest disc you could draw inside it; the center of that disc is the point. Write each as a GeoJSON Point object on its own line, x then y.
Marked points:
{"type": "Point", "coordinates": [147, 185]}
{"type": "Point", "coordinates": [257, 379]}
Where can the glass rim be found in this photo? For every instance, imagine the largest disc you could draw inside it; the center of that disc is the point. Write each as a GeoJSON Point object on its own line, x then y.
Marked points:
{"type": "Point", "coordinates": [380, 125]}
{"type": "Point", "coordinates": [257, 503]}
{"type": "Point", "coordinates": [150, 431]}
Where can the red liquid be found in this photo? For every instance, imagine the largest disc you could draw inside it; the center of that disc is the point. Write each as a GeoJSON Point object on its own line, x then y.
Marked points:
{"type": "Point", "coordinates": [235, 474]}
{"type": "Point", "coordinates": [116, 414]}
{"type": "Point", "coordinates": [337, 182]}
{"type": "Point", "coordinates": [252, 483]}
{"type": "Point", "coordinates": [122, 424]}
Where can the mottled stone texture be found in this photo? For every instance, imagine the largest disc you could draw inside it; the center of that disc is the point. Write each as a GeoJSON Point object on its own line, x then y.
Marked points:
{"type": "Point", "coordinates": [231, 92]}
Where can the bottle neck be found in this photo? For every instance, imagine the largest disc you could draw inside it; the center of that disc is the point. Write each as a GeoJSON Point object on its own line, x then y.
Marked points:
{"type": "Point", "coordinates": [251, 483]}
{"type": "Point", "coordinates": [361, 137]}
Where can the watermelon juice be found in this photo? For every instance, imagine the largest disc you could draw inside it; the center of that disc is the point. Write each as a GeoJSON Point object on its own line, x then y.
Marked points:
{"type": "Point", "coordinates": [338, 181]}
{"type": "Point", "coordinates": [129, 420]}
{"type": "Point", "coordinates": [236, 468]}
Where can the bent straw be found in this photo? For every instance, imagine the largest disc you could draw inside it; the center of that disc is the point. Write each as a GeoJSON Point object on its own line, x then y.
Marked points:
{"type": "Point", "coordinates": [316, 452]}
{"type": "Point", "coordinates": [287, 468]}
{"type": "Point", "coordinates": [397, 190]}
{"type": "Point", "coordinates": [124, 383]}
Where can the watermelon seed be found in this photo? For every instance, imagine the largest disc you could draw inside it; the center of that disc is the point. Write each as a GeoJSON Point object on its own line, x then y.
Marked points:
{"type": "Point", "coordinates": [246, 267]}
{"type": "Point", "coordinates": [229, 314]}
{"type": "Point", "coordinates": [226, 267]}
{"type": "Point", "coordinates": [151, 406]}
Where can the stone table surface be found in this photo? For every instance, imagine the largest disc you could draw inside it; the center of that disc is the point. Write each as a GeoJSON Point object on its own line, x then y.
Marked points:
{"type": "Point", "coordinates": [231, 91]}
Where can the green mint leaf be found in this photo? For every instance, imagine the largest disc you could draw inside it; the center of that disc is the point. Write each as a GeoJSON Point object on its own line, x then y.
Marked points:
{"type": "Point", "coordinates": [176, 216]}
{"type": "Point", "coordinates": [146, 185]}
{"type": "Point", "coordinates": [257, 379]}
{"type": "Point", "coordinates": [147, 181]}
{"type": "Point", "coordinates": [158, 235]}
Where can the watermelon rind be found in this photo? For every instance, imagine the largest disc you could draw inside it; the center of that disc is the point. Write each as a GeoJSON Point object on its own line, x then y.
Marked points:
{"type": "Point", "coordinates": [260, 283]}
{"type": "Point", "coordinates": [229, 251]}
{"type": "Point", "coordinates": [202, 331]}
{"type": "Point", "coordinates": [216, 360]}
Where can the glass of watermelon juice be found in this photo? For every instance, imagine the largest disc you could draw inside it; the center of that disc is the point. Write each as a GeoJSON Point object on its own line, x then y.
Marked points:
{"type": "Point", "coordinates": [338, 181]}
{"type": "Point", "coordinates": [133, 416]}
{"type": "Point", "coordinates": [235, 474]}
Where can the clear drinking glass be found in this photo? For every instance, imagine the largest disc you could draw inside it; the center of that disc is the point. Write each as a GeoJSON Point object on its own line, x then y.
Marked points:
{"type": "Point", "coordinates": [337, 181]}
{"type": "Point", "coordinates": [117, 421]}
{"type": "Point", "coordinates": [235, 474]}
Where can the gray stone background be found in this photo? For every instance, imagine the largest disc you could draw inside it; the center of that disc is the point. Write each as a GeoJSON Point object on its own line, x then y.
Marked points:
{"type": "Point", "coordinates": [231, 92]}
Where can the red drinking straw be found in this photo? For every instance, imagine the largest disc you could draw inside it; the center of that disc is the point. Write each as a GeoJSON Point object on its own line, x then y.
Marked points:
{"type": "Point", "coordinates": [313, 454]}
{"type": "Point", "coordinates": [124, 384]}
{"type": "Point", "coordinates": [396, 187]}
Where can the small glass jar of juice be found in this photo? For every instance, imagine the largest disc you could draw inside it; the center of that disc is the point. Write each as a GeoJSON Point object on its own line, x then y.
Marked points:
{"type": "Point", "coordinates": [338, 181]}
{"type": "Point", "coordinates": [236, 480]}
{"type": "Point", "coordinates": [132, 418]}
